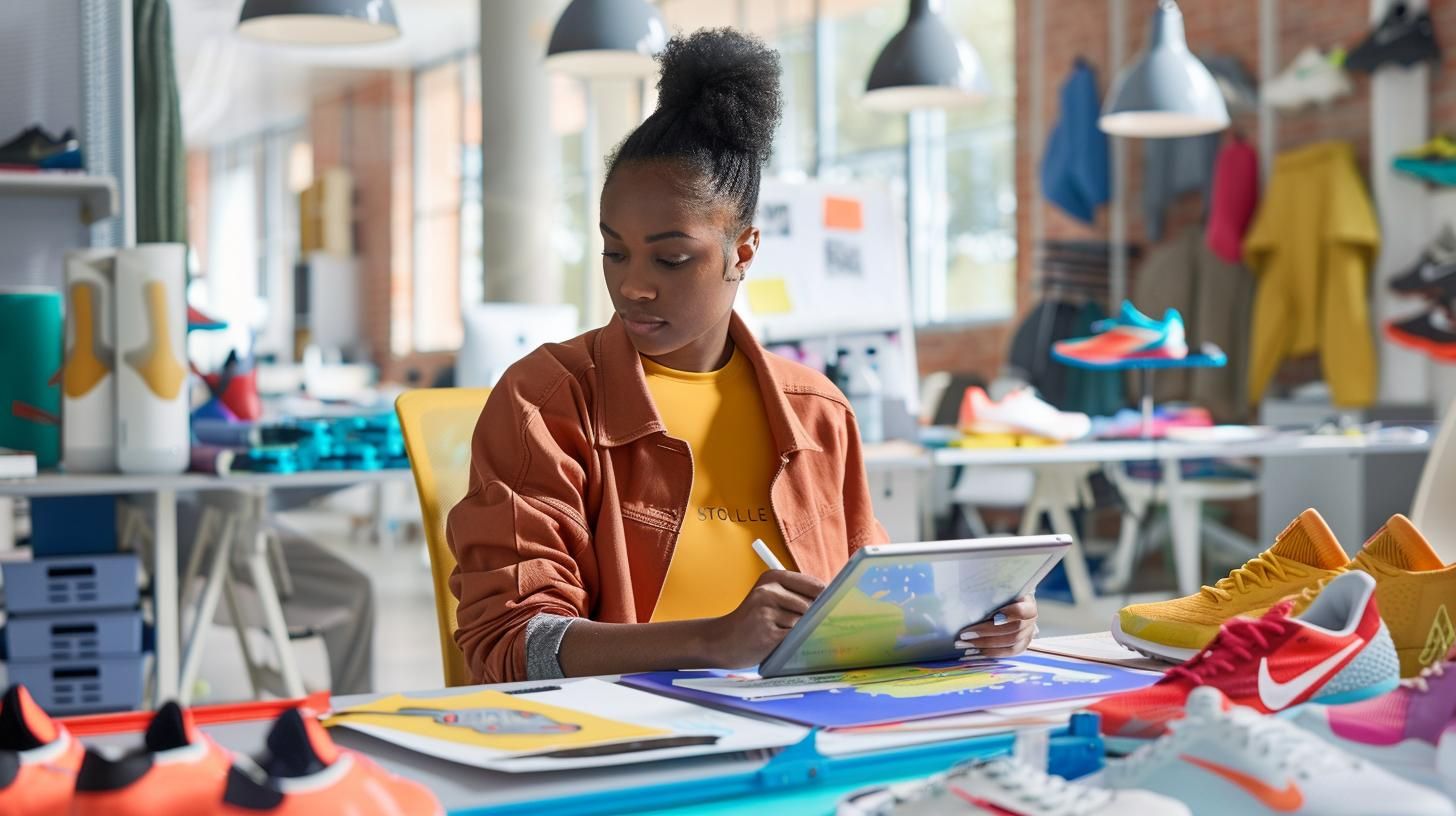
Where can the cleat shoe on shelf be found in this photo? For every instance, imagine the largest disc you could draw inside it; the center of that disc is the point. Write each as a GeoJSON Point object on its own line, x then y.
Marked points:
{"type": "Point", "coordinates": [1404, 37]}
{"type": "Point", "coordinates": [1020, 412]}
{"type": "Point", "coordinates": [1416, 593]}
{"type": "Point", "coordinates": [1432, 333]}
{"type": "Point", "coordinates": [35, 148]}
{"type": "Point", "coordinates": [38, 758]}
{"type": "Point", "coordinates": [1006, 787]}
{"type": "Point", "coordinates": [1338, 651]}
{"type": "Point", "coordinates": [1227, 760]}
{"type": "Point", "coordinates": [304, 773]}
{"type": "Point", "coordinates": [1400, 731]}
{"type": "Point", "coordinates": [1131, 335]}
{"type": "Point", "coordinates": [1434, 271]}
{"type": "Point", "coordinates": [178, 771]}
{"type": "Point", "coordinates": [1312, 78]}
{"type": "Point", "coordinates": [1304, 554]}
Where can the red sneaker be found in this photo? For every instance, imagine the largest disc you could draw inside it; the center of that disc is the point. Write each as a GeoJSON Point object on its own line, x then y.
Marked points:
{"type": "Point", "coordinates": [38, 758]}
{"type": "Point", "coordinates": [304, 774]}
{"type": "Point", "coordinates": [1338, 651]}
{"type": "Point", "coordinates": [179, 771]}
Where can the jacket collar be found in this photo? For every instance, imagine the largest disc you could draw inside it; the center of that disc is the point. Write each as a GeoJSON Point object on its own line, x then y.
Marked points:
{"type": "Point", "coordinates": [629, 414]}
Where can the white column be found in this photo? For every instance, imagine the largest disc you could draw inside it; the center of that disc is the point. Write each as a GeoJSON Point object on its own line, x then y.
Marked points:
{"type": "Point", "coordinates": [617, 106]}
{"type": "Point", "coordinates": [1400, 116]}
{"type": "Point", "coordinates": [520, 167]}
{"type": "Point", "coordinates": [1117, 215]}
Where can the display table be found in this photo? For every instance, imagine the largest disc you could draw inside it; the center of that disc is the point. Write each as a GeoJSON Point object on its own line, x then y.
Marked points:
{"type": "Point", "coordinates": [796, 779]}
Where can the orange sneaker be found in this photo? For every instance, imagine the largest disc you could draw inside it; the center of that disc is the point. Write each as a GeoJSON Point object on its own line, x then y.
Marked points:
{"type": "Point", "coordinates": [304, 774]}
{"type": "Point", "coordinates": [38, 758]}
{"type": "Point", "coordinates": [179, 771]}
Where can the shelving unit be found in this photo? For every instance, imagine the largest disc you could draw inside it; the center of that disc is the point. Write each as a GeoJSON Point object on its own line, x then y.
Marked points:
{"type": "Point", "coordinates": [97, 195]}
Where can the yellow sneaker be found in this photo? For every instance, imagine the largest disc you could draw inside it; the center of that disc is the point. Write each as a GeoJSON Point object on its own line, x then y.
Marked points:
{"type": "Point", "coordinates": [1302, 556]}
{"type": "Point", "coordinates": [1415, 591]}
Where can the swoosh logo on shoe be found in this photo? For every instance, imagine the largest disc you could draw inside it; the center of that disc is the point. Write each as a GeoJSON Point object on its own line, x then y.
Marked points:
{"type": "Point", "coordinates": [1431, 273]}
{"type": "Point", "coordinates": [1283, 800]}
{"type": "Point", "coordinates": [1277, 696]}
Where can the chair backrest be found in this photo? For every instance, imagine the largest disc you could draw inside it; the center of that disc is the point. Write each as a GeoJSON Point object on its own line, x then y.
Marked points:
{"type": "Point", "coordinates": [1434, 512]}
{"type": "Point", "coordinates": [438, 424]}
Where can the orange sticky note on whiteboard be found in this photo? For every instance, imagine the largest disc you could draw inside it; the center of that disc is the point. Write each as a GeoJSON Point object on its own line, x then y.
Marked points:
{"type": "Point", "coordinates": [843, 213]}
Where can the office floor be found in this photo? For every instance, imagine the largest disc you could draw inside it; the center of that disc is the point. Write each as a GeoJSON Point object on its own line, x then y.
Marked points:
{"type": "Point", "coordinates": [406, 651]}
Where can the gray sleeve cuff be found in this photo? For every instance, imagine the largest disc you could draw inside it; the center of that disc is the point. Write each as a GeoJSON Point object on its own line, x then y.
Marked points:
{"type": "Point", "coordinates": [543, 642]}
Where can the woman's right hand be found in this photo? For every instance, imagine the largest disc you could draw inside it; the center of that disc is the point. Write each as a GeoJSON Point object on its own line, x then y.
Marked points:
{"type": "Point", "coordinates": [745, 636]}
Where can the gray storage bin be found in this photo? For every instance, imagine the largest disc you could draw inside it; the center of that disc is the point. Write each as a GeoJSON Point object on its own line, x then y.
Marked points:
{"type": "Point", "coordinates": [70, 687]}
{"type": "Point", "coordinates": [76, 636]}
{"type": "Point", "coordinates": [70, 584]}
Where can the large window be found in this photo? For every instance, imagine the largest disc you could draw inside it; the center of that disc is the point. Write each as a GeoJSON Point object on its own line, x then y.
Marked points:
{"type": "Point", "coordinates": [439, 204]}
{"type": "Point", "coordinates": [951, 173]}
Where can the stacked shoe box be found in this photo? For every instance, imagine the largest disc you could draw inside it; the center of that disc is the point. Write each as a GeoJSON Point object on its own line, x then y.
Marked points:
{"type": "Point", "coordinates": [73, 632]}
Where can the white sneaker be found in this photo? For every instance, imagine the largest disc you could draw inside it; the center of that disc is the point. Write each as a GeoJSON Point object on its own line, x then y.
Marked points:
{"type": "Point", "coordinates": [1020, 412]}
{"type": "Point", "coordinates": [1242, 763]}
{"type": "Point", "coordinates": [1005, 787]}
{"type": "Point", "coordinates": [1313, 78]}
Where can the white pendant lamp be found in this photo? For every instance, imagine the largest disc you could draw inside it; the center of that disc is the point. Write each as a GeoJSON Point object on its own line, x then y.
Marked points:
{"type": "Point", "coordinates": [1167, 92]}
{"type": "Point", "coordinates": [607, 38]}
{"type": "Point", "coordinates": [925, 65]}
{"type": "Point", "coordinates": [319, 22]}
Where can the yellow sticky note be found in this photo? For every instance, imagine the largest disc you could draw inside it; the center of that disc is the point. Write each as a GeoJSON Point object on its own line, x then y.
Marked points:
{"type": "Point", "coordinates": [491, 719]}
{"type": "Point", "coordinates": [768, 296]}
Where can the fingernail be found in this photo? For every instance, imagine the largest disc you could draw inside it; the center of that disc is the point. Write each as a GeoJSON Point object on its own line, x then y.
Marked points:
{"type": "Point", "coordinates": [964, 644]}
{"type": "Point", "coordinates": [969, 635]}
{"type": "Point", "coordinates": [999, 618]}
{"type": "Point", "coordinates": [972, 652]}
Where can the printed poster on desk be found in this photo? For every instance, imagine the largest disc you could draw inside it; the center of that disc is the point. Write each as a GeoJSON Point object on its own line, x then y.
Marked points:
{"type": "Point", "coordinates": [898, 693]}
{"type": "Point", "coordinates": [576, 724]}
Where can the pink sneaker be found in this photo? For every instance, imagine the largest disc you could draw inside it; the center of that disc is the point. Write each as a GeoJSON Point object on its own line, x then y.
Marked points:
{"type": "Point", "coordinates": [1404, 731]}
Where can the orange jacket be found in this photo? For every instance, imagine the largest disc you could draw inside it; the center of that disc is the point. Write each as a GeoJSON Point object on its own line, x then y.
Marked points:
{"type": "Point", "coordinates": [577, 493]}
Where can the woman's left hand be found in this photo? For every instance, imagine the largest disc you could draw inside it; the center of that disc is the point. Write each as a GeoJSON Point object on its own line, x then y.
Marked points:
{"type": "Point", "coordinates": [1005, 634]}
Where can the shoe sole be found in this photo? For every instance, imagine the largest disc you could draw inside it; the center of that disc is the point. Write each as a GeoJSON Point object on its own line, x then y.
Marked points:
{"type": "Point", "coordinates": [1149, 649]}
{"type": "Point", "coordinates": [1356, 695]}
{"type": "Point", "coordinates": [1442, 352]}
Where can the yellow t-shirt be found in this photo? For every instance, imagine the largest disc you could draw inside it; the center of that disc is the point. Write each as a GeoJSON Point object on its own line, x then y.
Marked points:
{"type": "Point", "coordinates": [720, 415]}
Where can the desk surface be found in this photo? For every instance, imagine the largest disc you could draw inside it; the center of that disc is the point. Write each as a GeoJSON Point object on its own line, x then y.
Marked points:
{"type": "Point", "coordinates": [1133, 450]}
{"type": "Point", "coordinates": [89, 484]}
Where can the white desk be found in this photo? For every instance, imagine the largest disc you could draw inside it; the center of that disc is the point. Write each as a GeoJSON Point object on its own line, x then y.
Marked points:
{"type": "Point", "coordinates": [1053, 462]}
{"type": "Point", "coordinates": [164, 490]}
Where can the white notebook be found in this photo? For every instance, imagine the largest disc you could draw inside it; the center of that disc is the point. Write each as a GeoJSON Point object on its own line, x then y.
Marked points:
{"type": "Point", "coordinates": [16, 464]}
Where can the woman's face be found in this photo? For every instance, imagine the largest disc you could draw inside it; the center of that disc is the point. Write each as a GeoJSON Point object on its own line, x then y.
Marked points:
{"type": "Point", "coordinates": [672, 264]}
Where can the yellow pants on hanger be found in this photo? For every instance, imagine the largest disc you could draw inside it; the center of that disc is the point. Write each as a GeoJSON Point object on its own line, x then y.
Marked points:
{"type": "Point", "coordinates": [1311, 248]}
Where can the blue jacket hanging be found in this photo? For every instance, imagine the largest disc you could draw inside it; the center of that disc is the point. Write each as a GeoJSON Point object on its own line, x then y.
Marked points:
{"type": "Point", "coordinates": [1074, 169]}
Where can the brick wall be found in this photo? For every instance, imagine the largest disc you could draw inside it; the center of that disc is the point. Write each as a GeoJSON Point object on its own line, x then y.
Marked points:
{"type": "Point", "coordinates": [1080, 28]}
{"type": "Point", "coordinates": [368, 131]}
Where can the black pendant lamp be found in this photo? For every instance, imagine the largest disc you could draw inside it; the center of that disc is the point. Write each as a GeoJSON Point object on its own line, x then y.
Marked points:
{"type": "Point", "coordinates": [607, 38]}
{"type": "Point", "coordinates": [925, 65]}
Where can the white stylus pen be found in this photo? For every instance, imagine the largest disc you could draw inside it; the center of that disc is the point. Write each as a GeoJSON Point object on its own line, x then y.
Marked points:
{"type": "Point", "coordinates": [766, 555]}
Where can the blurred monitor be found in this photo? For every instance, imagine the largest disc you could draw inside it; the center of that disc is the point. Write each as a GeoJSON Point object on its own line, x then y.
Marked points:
{"type": "Point", "coordinates": [499, 334]}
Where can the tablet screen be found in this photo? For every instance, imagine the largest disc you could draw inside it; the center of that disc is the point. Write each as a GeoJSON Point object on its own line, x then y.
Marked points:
{"type": "Point", "coordinates": [896, 609]}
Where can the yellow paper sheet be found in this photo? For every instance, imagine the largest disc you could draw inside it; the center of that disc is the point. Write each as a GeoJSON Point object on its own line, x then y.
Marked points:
{"type": "Point", "coordinates": [491, 719]}
{"type": "Point", "coordinates": [767, 296]}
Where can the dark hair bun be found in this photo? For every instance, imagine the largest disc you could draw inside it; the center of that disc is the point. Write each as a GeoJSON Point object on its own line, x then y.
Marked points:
{"type": "Point", "coordinates": [725, 85]}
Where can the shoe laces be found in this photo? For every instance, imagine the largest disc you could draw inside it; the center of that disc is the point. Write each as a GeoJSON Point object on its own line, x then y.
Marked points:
{"type": "Point", "coordinates": [1422, 682]}
{"type": "Point", "coordinates": [1237, 642]}
{"type": "Point", "coordinates": [1030, 785]}
{"type": "Point", "coordinates": [1259, 571]}
{"type": "Point", "coordinates": [1264, 741]}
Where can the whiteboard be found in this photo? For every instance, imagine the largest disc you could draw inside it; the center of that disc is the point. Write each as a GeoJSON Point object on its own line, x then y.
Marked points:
{"type": "Point", "coordinates": [832, 261]}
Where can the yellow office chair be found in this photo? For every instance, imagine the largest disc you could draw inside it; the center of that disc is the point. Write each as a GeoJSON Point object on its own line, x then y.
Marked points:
{"type": "Point", "coordinates": [438, 424]}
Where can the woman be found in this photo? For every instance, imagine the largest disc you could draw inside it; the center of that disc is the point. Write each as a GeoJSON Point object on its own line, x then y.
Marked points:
{"type": "Point", "coordinates": [619, 479]}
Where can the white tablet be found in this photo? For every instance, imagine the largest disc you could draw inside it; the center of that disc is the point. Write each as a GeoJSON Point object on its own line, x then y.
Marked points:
{"type": "Point", "coordinates": [906, 603]}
